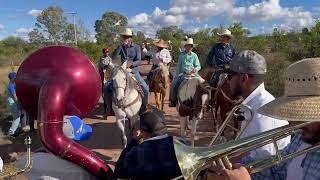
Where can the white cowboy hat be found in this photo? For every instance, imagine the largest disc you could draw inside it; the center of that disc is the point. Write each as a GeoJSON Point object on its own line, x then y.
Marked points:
{"type": "Point", "coordinates": [126, 32]}
{"type": "Point", "coordinates": [190, 41]}
{"type": "Point", "coordinates": [225, 32]}
{"type": "Point", "coordinates": [161, 43]}
{"type": "Point", "coordinates": [301, 100]}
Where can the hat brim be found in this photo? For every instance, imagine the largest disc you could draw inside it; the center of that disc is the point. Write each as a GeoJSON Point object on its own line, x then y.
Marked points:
{"type": "Point", "coordinates": [229, 35]}
{"type": "Point", "coordinates": [160, 45]}
{"type": "Point", "coordinates": [84, 134]}
{"type": "Point", "coordinates": [122, 34]}
{"type": "Point", "coordinates": [302, 108]}
{"type": "Point", "coordinates": [194, 45]}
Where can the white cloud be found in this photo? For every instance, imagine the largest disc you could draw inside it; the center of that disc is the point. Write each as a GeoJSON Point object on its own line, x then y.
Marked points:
{"type": "Point", "coordinates": [1, 27]}
{"type": "Point", "coordinates": [34, 12]}
{"type": "Point", "coordinates": [293, 18]}
{"type": "Point", "coordinates": [192, 12]}
{"type": "Point", "coordinates": [149, 24]}
{"type": "Point", "coordinates": [201, 9]}
{"type": "Point", "coordinates": [23, 30]}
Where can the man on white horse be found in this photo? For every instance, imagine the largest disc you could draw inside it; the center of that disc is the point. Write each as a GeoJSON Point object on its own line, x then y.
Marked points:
{"type": "Point", "coordinates": [188, 64]}
{"type": "Point", "coordinates": [131, 54]}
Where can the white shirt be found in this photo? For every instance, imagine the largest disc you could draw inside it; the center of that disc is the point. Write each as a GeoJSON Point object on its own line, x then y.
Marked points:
{"type": "Point", "coordinates": [294, 169]}
{"type": "Point", "coordinates": [260, 123]}
{"type": "Point", "coordinates": [164, 54]}
{"type": "Point", "coordinates": [46, 166]}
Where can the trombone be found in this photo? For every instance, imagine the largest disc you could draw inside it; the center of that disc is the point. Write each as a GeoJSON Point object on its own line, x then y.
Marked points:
{"type": "Point", "coordinates": [193, 160]}
{"type": "Point", "coordinates": [10, 170]}
{"type": "Point", "coordinates": [237, 113]}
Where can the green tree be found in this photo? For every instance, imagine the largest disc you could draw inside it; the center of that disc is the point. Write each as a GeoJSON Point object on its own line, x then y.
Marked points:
{"type": "Point", "coordinates": [109, 26]}
{"type": "Point", "coordinates": [51, 26]}
{"type": "Point", "coordinates": [139, 37]}
{"type": "Point", "coordinates": [170, 32]}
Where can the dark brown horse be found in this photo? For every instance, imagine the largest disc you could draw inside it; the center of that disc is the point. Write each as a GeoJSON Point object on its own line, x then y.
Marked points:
{"type": "Point", "coordinates": [222, 102]}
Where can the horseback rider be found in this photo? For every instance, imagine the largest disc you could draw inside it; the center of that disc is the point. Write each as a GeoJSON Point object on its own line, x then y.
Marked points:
{"type": "Point", "coordinates": [219, 57]}
{"type": "Point", "coordinates": [101, 65]}
{"type": "Point", "coordinates": [131, 53]}
{"type": "Point", "coordinates": [161, 56]}
{"type": "Point", "coordinates": [188, 64]}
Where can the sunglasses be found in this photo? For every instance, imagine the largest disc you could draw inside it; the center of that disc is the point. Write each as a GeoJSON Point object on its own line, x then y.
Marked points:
{"type": "Point", "coordinates": [232, 74]}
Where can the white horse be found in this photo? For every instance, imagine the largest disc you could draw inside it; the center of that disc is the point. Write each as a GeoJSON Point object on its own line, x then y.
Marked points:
{"type": "Point", "coordinates": [193, 96]}
{"type": "Point", "coordinates": [126, 100]}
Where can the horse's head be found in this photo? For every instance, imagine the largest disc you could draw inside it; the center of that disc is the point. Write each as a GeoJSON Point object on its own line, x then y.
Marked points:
{"type": "Point", "coordinates": [119, 80]}
{"type": "Point", "coordinates": [161, 77]}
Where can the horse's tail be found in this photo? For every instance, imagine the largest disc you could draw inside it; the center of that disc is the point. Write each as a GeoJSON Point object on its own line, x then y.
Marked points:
{"type": "Point", "coordinates": [49, 90]}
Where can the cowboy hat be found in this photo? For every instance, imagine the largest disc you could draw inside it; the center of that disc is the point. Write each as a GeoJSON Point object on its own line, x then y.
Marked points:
{"type": "Point", "coordinates": [126, 32]}
{"type": "Point", "coordinates": [301, 100]}
{"type": "Point", "coordinates": [225, 32]}
{"type": "Point", "coordinates": [161, 43]}
{"type": "Point", "coordinates": [190, 41]}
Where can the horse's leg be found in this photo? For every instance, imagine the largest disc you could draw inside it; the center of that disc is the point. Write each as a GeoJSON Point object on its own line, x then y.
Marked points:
{"type": "Point", "coordinates": [183, 124]}
{"type": "Point", "coordinates": [157, 98]}
{"type": "Point", "coordinates": [163, 95]}
{"type": "Point", "coordinates": [120, 121]}
{"type": "Point", "coordinates": [194, 129]}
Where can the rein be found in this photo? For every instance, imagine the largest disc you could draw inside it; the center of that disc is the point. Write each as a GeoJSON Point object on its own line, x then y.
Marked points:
{"type": "Point", "coordinates": [125, 88]}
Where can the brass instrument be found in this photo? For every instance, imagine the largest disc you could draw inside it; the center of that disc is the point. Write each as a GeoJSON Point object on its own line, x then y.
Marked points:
{"type": "Point", "coordinates": [10, 170]}
{"type": "Point", "coordinates": [236, 113]}
{"type": "Point", "coordinates": [192, 160]}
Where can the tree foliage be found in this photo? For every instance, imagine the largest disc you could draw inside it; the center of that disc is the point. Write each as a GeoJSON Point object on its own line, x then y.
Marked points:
{"type": "Point", "coordinates": [109, 26]}
{"type": "Point", "coordinates": [52, 27]}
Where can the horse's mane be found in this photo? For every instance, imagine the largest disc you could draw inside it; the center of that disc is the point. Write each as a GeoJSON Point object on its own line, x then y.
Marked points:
{"type": "Point", "coordinates": [130, 81]}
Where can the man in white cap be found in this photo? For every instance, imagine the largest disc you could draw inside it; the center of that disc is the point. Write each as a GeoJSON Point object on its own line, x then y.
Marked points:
{"type": "Point", "coordinates": [188, 64]}
{"type": "Point", "coordinates": [220, 56]}
{"type": "Point", "coordinates": [298, 105]}
{"type": "Point", "coordinates": [131, 53]}
{"type": "Point", "coordinates": [246, 78]}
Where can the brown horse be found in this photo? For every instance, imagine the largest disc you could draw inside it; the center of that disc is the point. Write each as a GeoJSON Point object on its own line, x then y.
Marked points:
{"type": "Point", "coordinates": [159, 84]}
{"type": "Point", "coordinates": [222, 102]}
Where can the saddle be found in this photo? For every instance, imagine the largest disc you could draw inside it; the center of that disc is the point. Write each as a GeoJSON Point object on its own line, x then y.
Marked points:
{"type": "Point", "coordinates": [138, 87]}
{"type": "Point", "coordinates": [187, 88]}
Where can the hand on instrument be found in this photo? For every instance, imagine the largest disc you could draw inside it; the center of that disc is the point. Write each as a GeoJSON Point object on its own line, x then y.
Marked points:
{"type": "Point", "coordinates": [238, 172]}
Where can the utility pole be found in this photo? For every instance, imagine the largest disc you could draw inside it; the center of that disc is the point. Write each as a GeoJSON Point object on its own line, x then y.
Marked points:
{"type": "Point", "coordinates": [74, 27]}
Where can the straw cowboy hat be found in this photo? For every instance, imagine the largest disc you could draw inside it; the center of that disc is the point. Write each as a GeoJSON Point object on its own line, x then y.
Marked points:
{"type": "Point", "coordinates": [161, 43]}
{"type": "Point", "coordinates": [126, 32]}
{"type": "Point", "coordinates": [190, 41]}
{"type": "Point", "coordinates": [225, 32]}
{"type": "Point", "coordinates": [301, 100]}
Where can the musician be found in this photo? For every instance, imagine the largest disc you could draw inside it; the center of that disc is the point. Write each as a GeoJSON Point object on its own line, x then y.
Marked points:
{"type": "Point", "coordinates": [131, 53]}
{"type": "Point", "coordinates": [46, 165]}
{"type": "Point", "coordinates": [150, 155]}
{"type": "Point", "coordinates": [246, 78]}
{"type": "Point", "coordinates": [302, 94]}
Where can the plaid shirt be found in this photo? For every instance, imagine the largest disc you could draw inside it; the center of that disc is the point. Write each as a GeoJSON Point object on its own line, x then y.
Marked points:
{"type": "Point", "coordinates": [310, 164]}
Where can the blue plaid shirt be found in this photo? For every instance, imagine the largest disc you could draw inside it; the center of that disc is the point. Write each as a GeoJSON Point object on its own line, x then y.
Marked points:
{"type": "Point", "coordinates": [310, 164]}
{"type": "Point", "coordinates": [220, 54]}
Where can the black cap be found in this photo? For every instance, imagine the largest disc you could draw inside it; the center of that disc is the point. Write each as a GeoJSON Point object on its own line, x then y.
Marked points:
{"type": "Point", "coordinates": [153, 123]}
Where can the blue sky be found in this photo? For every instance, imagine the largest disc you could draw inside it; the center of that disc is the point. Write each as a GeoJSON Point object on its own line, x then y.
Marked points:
{"type": "Point", "coordinates": [260, 16]}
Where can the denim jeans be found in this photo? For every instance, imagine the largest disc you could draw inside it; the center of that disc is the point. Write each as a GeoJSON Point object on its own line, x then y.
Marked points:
{"type": "Point", "coordinates": [176, 80]}
{"type": "Point", "coordinates": [107, 96]}
{"type": "Point", "coordinates": [215, 78]}
{"type": "Point", "coordinates": [16, 113]}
